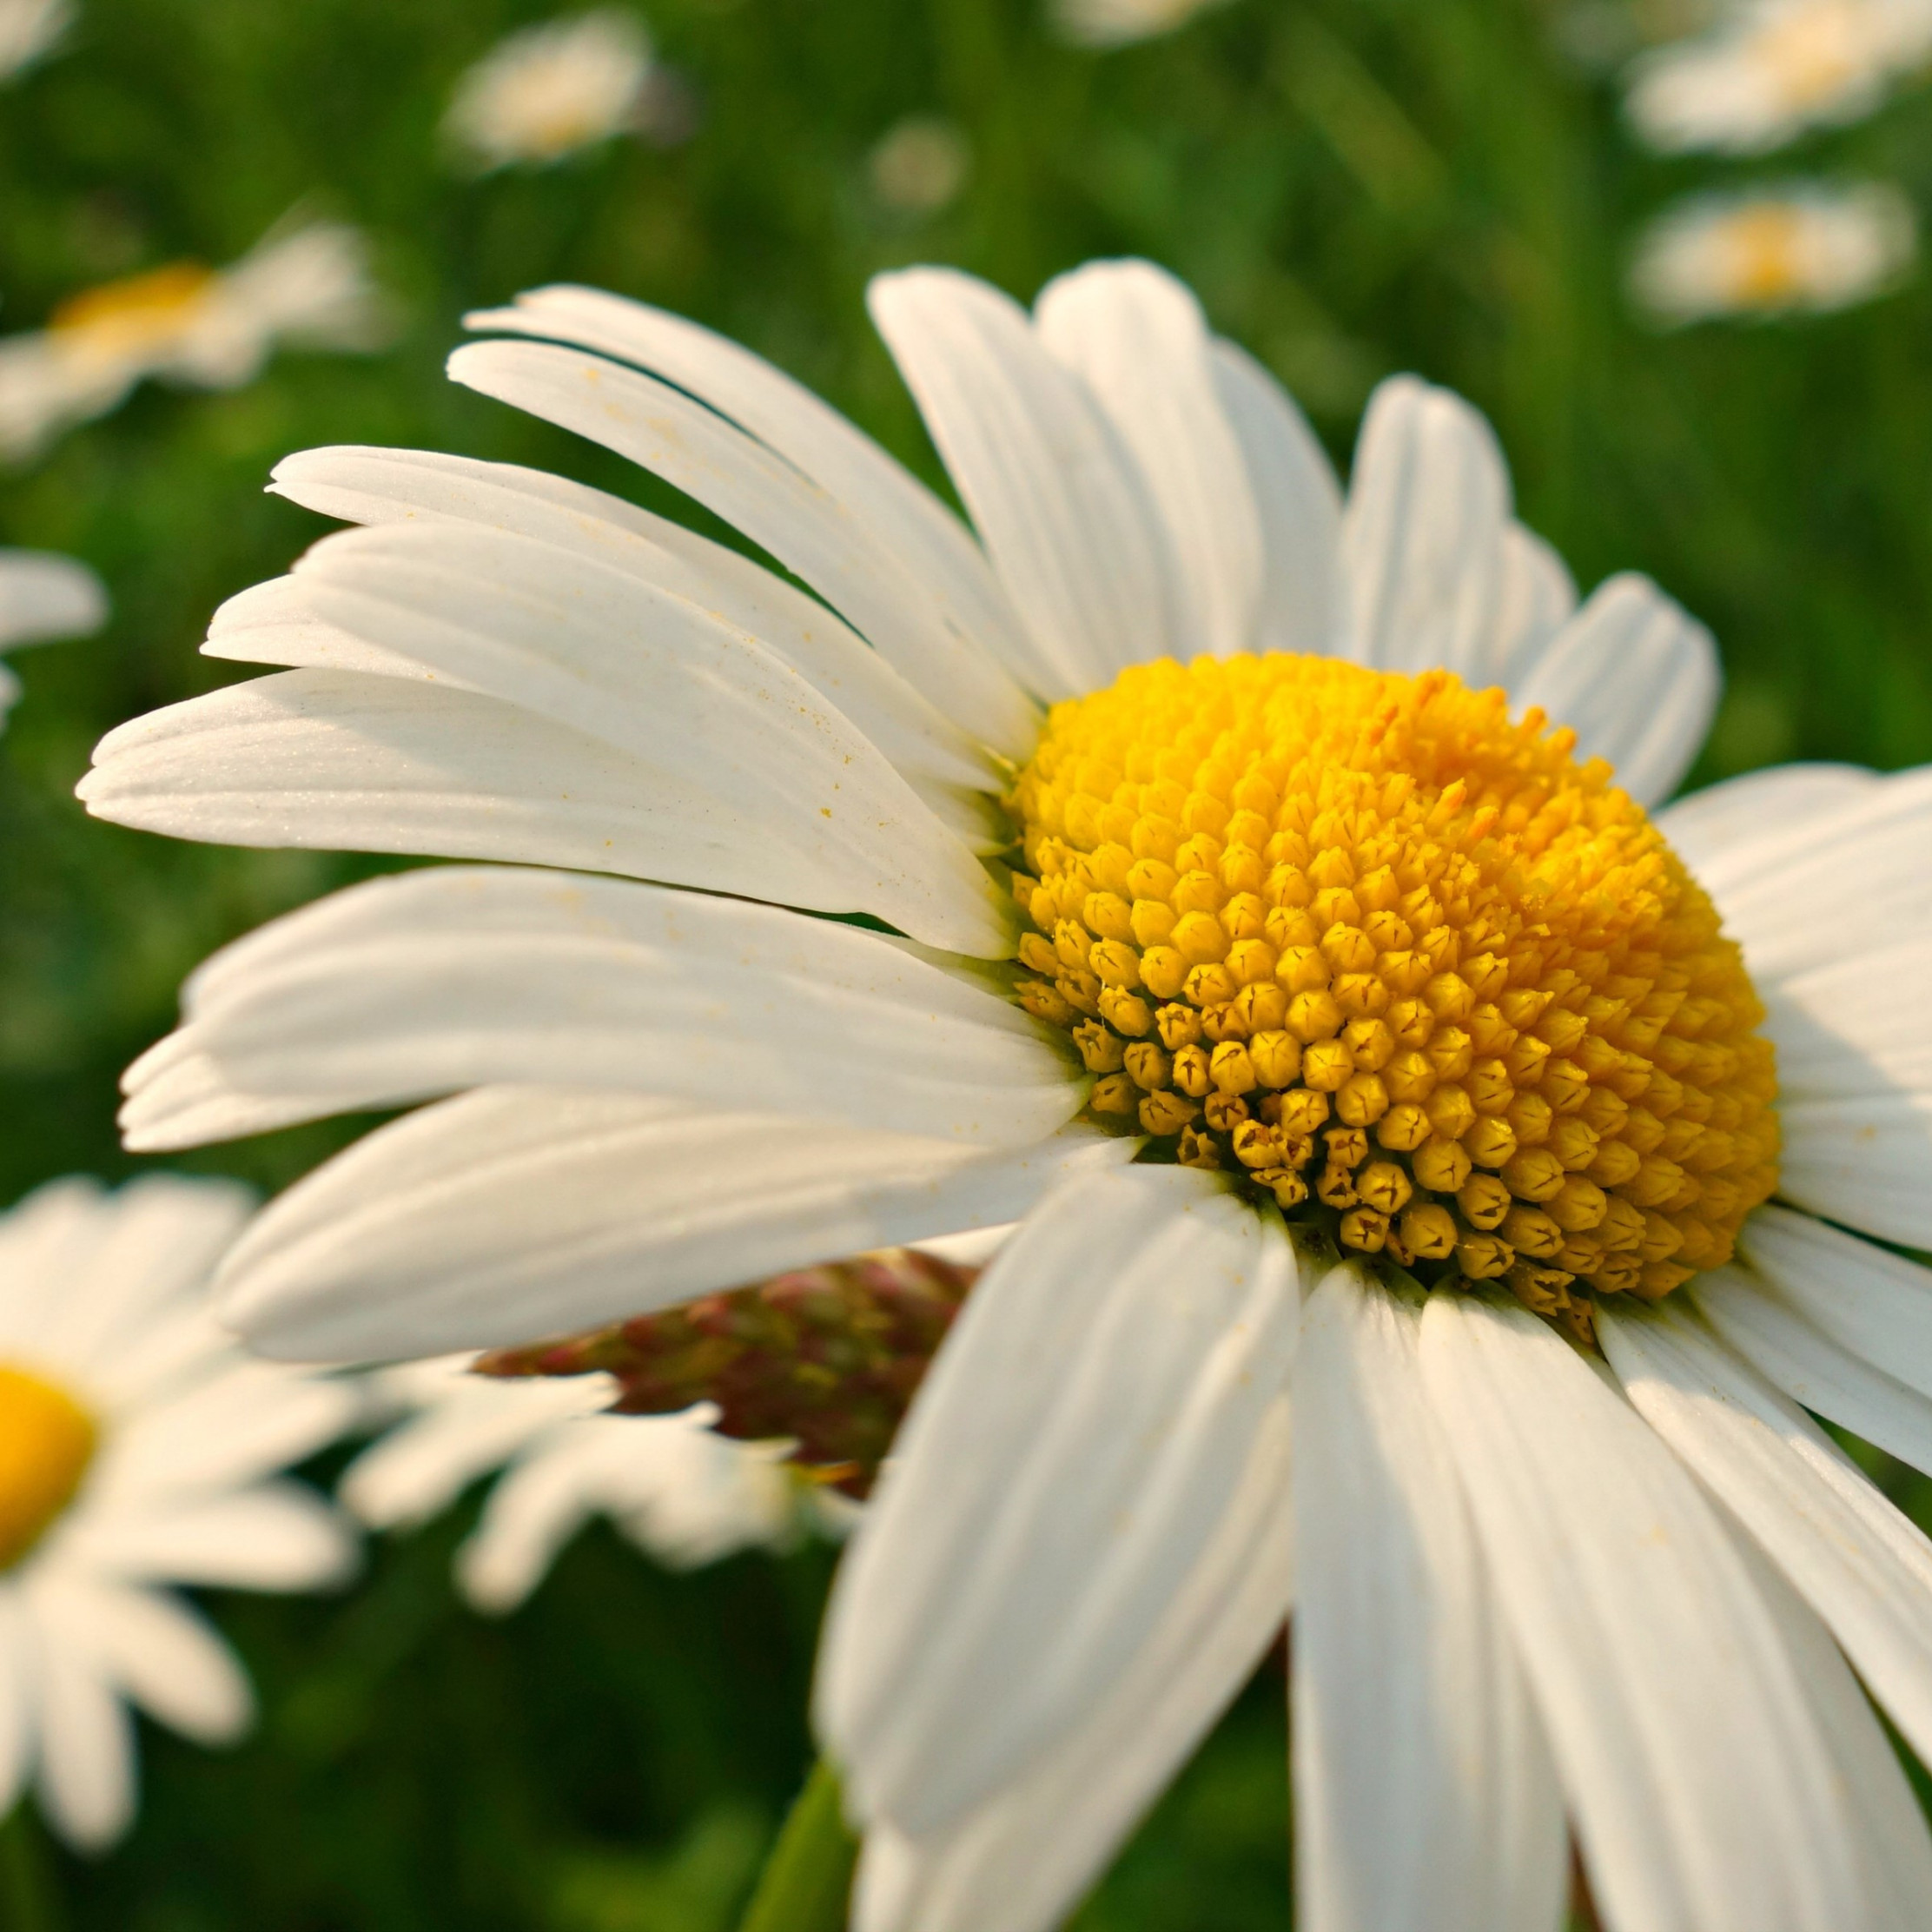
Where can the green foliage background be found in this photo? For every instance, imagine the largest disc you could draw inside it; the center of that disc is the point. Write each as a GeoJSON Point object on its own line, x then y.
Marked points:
{"type": "Point", "coordinates": [1354, 187]}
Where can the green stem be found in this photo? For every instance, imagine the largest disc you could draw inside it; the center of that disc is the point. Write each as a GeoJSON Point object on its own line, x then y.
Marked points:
{"type": "Point", "coordinates": [808, 1878]}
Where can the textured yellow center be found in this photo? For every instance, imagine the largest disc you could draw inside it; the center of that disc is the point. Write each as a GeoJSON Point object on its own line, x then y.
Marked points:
{"type": "Point", "coordinates": [134, 313]}
{"type": "Point", "coordinates": [1406, 965]}
{"type": "Point", "coordinates": [46, 1442]}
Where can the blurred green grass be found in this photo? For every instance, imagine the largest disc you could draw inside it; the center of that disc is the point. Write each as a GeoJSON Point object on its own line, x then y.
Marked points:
{"type": "Point", "coordinates": [1354, 187]}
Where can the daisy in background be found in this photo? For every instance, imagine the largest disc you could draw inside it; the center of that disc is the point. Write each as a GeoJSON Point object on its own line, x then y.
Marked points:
{"type": "Point", "coordinates": [553, 90]}
{"type": "Point", "coordinates": [30, 30]}
{"type": "Point", "coordinates": [678, 1492]}
{"type": "Point", "coordinates": [1120, 22]}
{"type": "Point", "coordinates": [139, 1449]}
{"type": "Point", "coordinates": [1805, 248]}
{"type": "Point", "coordinates": [918, 166]}
{"type": "Point", "coordinates": [1772, 69]}
{"type": "Point", "coordinates": [1278, 931]}
{"type": "Point", "coordinates": [305, 286]}
{"type": "Point", "coordinates": [43, 597]}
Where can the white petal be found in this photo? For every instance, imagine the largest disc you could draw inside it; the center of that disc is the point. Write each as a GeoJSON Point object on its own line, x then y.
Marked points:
{"type": "Point", "coordinates": [1053, 1486]}
{"type": "Point", "coordinates": [86, 1776]}
{"type": "Point", "coordinates": [1811, 1368]}
{"type": "Point", "coordinates": [1422, 534]}
{"type": "Point", "coordinates": [1858, 1027]}
{"type": "Point", "coordinates": [1056, 498]}
{"type": "Point", "coordinates": [1709, 824]}
{"type": "Point", "coordinates": [1828, 880]}
{"type": "Point", "coordinates": [907, 521]}
{"type": "Point", "coordinates": [276, 1536]}
{"type": "Point", "coordinates": [1137, 337]}
{"type": "Point", "coordinates": [157, 1650]}
{"type": "Point", "coordinates": [1020, 1860]}
{"type": "Point", "coordinates": [348, 761]}
{"type": "Point", "coordinates": [44, 596]}
{"type": "Point", "coordinates": [1304, 599]}
{"type": "Point", "coordinates": [1537, 599]}
{"type": "Point", "coordinates": [1862, 1567]}
{"type": "Point", "coordinates": [1876, 1303]}
{"type": "Point", "coordinates": [853, 565]}
{"type": "Point", "coordinates": [1423, 1789]}
{"type": "Point", "coordinates": [533, 1511]}
{"type": "Point", "coordinates": [398, 485]}
{"type": "Point", "coordinates": [1866, 1161]}
{"type": "Point", "coordinates": [599, 652]}
{"type": "Point", "coordinates": [1695, 1772]}
{"type": "Point", "coordinates": [275, 623]}
{"type": "Point", "coordinates": [515, 1212]}
{"type": "Point", "coordinates": [454, 977]}
{"type": "Point", "coordinates": [1637, 678]}
{"type": "Point", "coordinates": [19, 1705]}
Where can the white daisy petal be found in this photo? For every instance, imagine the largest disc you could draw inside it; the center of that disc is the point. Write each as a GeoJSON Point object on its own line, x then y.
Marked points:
{"type": "Point", "coordinates": [968, 606]}
{"type": "Point", "coordinates": [161, 1651]}
{"type": "Point", "coordinates": [1695, 1772]}
{"type": "Point", "coordinates": [1428, 502]}
{"type": "Point", "coordinates": [276, 1536]}
{"type": "Point", "coordinates": [375, 487]}
{"type": "Point", "coordinates": [532, 1513]}
{"type": "Point", "coordinates": [1862, 1162]}
{"type": "Point", "coordinates": [43, 596]}
{"type": "Point", "coordinates": [1861, 1566]}
{"type": "Point", "coordinates": [86, 1773]}
{"type": "Point", "coordinates": [1138, 339]}
{"type": "Point", "coordinates": [513, 1212]}
{"type": "Point", "coordinates": [1760, 805]}
{"type": "Point", "coordinates": [1056, 497]}
{"type": "Point", "coordinates": [1423, 1792]}
{"type": "Point", "coordinates": [1537, 598]}
{"type": "Point", "coordinates": [1874, 1303]}
{"type": "Point", "coordinates": [1856, 1028]}
{"type": "Point", "coordinates": [1636, 677]}
{"type": "Point", "coordinates": [847, 561]}
{"type": "Point", "coordinates": [1811, 1368]}
{"type": "Point", "coordinates": [1304, 599]}
{"type": "Point", "coordinates": [1053, 1485]}
{"type": "Point", "coordinates": [19, 1713]}
{"type": "Point", "coordinates": [1020, 1860]}
{"type": "Point", "coordinates": [453, 977]}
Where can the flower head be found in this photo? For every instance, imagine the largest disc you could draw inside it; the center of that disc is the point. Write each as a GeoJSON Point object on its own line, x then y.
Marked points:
{"type": "Point", "coordinates": [202, 328]}
{"type": "Point", "coordinates": [550, 90]}
{"type": "Point", "coordinates": [138, 1448]}
{"type": "Point", "coordinates": [1804, 248]}
{"type": "Point", "coordinates": [1284, 933]}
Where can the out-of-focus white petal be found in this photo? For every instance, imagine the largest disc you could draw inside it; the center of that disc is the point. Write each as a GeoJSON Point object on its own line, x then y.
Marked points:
{"type": "Point", "coordinates": [1538, 597]}
{"type": "Point", "coordinates": [43, 596]}
{"type": "Point", "coordinates": [1769, 804]}
{"type": "Point", "coordinates": [520, 1210]}
{"type": "Point", "coordinates": [1635, 677]}
{"type": "Point", "coordinates": [1696, 1774]}
{"type": "Point", "coordinates": [1424, 1794]}
{"type": "Point", "coordinates": [86, 1771]}
{"type": "Point", "coordinates": [19, 1704]}
{"type": "Point", "coordinates": [276, 1536]}
{"type": "Point", "coordinates": [1053, 1486]}
{"type": "Point", "coordinates": [1137, 337]}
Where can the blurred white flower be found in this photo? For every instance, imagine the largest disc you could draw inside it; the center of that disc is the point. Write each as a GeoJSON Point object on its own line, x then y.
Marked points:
{"type": "Point", "coordinates": [1118, 22]}
{"type": "Point", "coordinates": [29, 29]}
{"type": "Point", "coordinates": [1802, 247]}
{"type": "Point", "coordinates": [43, 597]}
{"type": "Point", "coordinates": [680, 1492]}
{"type": "Point", "coordinates": [551, 90]}
{"type": "Point", "coordinates": [138, 1447]}
{"type": "Point", "coordinates": [1772, 69]}
{"type": "Point", "coordinates": [919, 166]}
{"type": "Point", "coordinates": [208, 328]}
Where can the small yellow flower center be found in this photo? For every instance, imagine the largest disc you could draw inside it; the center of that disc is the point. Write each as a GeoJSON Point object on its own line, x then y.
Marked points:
{"type": "Point", "coordinates": [1406, 966]}
{"type": "Point", "coordinates": [47, 1440]}
{"type": "Point", "coordinates": [134, 313]}
{"type": "Point", "coordinates": [1813, 53]}
{"type": "Point", "coordinates": [1764, 261]}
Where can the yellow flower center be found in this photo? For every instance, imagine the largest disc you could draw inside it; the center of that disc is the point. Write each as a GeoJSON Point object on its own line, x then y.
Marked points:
{"type": "Point", "coordinates": [46, 1442]}
{"type": "Point", "coordinates": [1766, 261]}
{"type": "Point", "coordinates": [1406, 966]}
{"type": "Point", "coordinates": [135, 313]}
{"type": "Point", "coordinates": [1812, 54]}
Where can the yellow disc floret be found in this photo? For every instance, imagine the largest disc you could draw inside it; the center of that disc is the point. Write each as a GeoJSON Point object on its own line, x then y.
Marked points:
{"type": "Point", "coordinates": [46, 1442]}
{"type": "Point", "coordinates": [1407, 966]}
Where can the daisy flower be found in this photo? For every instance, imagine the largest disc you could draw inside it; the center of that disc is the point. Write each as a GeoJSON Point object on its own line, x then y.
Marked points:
{"type": "Point", "coordinates": [680, 1492]}
{"type": "Point", "coordinates": [1770, 71]}
{"type": "Point", "coordinates": [1120, 22]}
{"type": "Point", "coordinates": [1803, 248]}
{"type": "Point", "coordinates": [551, 90]}
{"type": "Point", "coordinates": [1277, 929]}
{"type": "Point", "coordinates": [29, 30]}
{"type": "Point", "coordinates": [139, 1448]}
{"type": "Point", "coordinates": [201, 327]}
{"type": "Point", "coordinates": [43, 597]}
{"type": "Point", "coordinates": [919, 165]}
